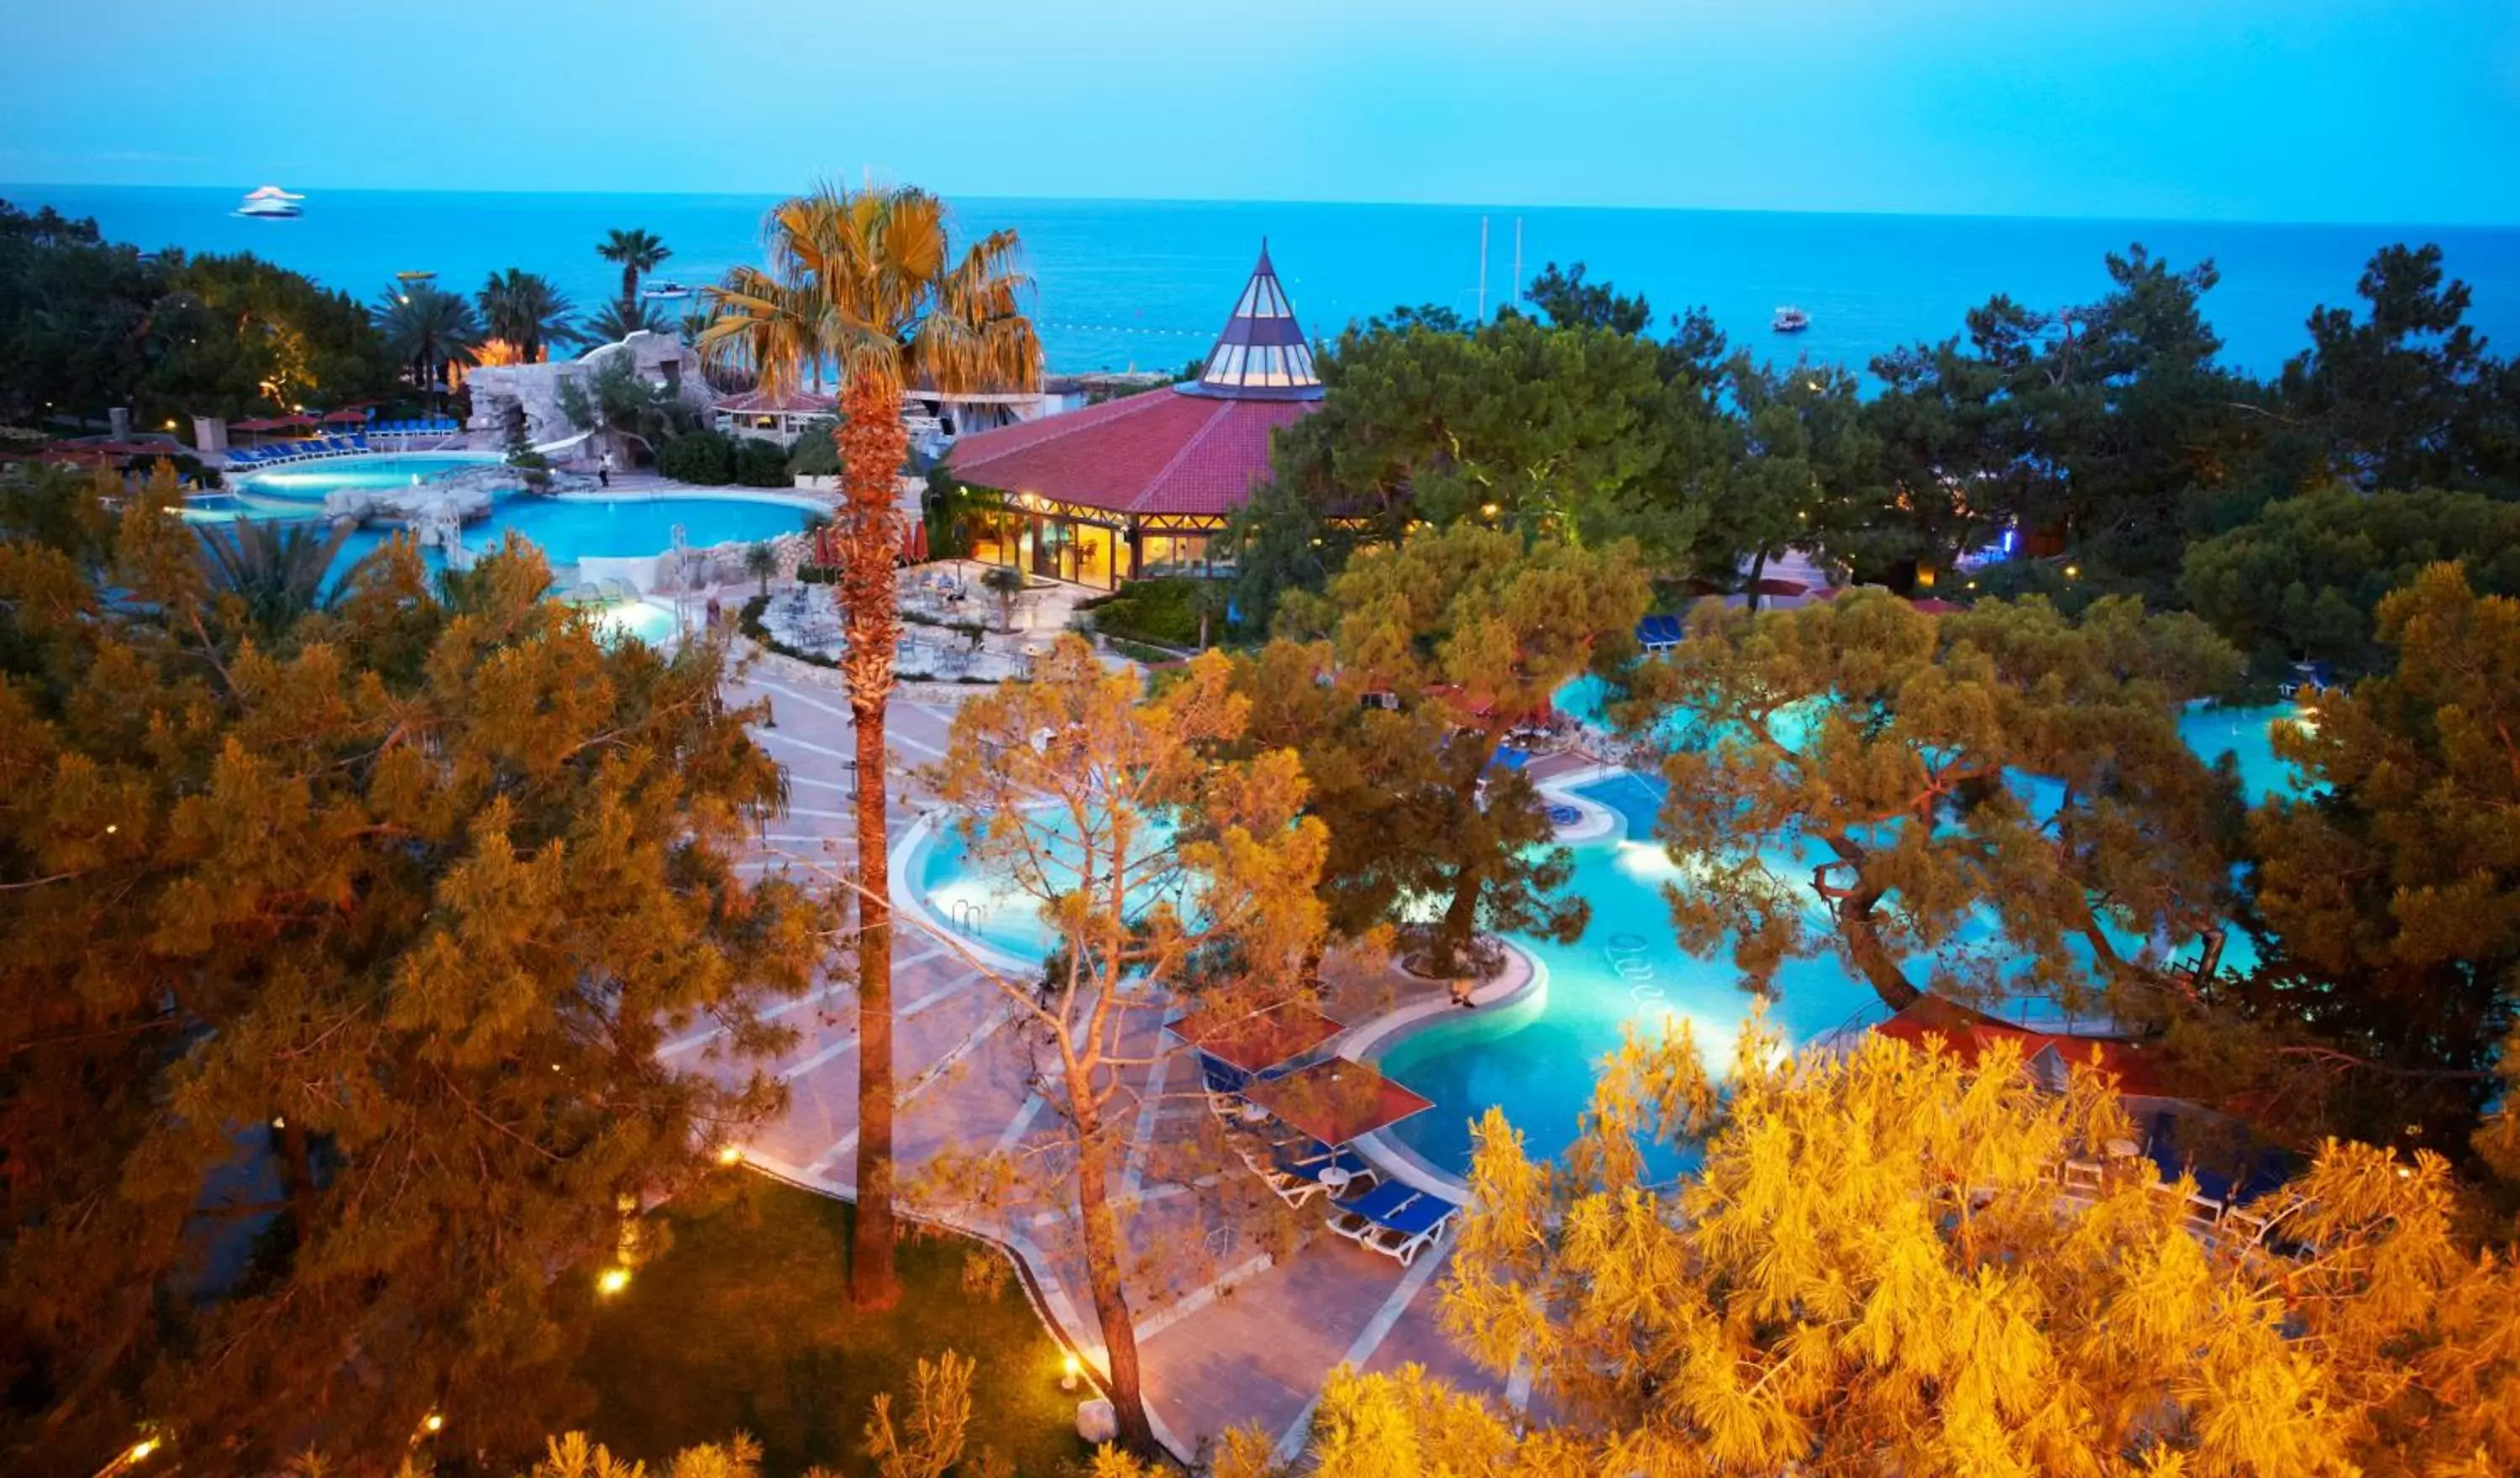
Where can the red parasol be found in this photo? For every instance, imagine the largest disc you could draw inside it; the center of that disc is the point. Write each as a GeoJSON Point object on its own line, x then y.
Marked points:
{"type": "Point", "coordinates": [1337, 1101]}
{"type": "Point", "coordinates": [1256, 1041]}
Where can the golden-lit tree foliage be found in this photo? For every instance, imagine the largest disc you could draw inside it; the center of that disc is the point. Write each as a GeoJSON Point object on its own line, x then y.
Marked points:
{"type": "Point", "coordinates": [1875, 1268]}
{"type": "Point", "coordinates": [1164, 872]}
{"type": "Point", "coordinates": [338, 933]}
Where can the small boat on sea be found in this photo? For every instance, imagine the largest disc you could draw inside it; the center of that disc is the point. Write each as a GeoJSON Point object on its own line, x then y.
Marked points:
{"type": "Point", "coordinates": [665, 289]}
{"type": "Point", "coordinates": [415, 276]}
{"type": "Point", "coordinates": [1791, 320]}
{"type": "Point", "coordinates": [271, 203]}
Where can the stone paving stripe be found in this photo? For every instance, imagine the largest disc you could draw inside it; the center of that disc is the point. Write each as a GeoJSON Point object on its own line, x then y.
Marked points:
{"type": "Point", "coordinates": [1033, 1104]}
{"type": "Point", "coordinates": [792, 695]}
{"type": "Point", "coordinates": [837, 1048]}
{"type": "Point", "coordinates": [1367, 1340]}
{"type": "Point", "coordinates": [1518, 1384]}
{"type": "Point", "coordinates": [1201, 1297]}
{"type": "Point", "coordinates": [794, 1003]}
{"type": "Point", "coordinates": [1136, 1174]}
{"type": "Point", "coordinates": [832, 1156]}
{"type": "Point", "coordinates": [782, 736]}
{"type": "Point", "coordinates": [686, 1044]}
{"type": "Point", "coordinates": [961, 1049]}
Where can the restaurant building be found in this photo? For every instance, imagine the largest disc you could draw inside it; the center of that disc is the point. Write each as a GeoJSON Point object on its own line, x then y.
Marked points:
{"type": "Point", "coordinates": [1139, 486]}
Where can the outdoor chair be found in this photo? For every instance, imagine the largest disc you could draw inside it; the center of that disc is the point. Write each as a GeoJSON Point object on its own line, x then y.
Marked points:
{"type": "Point", "coordinates": [1299, 1172]}
{"type": "Point", "coordinates": [1394, 1220]}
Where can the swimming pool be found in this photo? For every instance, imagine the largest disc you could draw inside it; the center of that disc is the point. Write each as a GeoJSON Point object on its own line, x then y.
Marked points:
{"type": "Point", "coordinates": [568, 529]}
{"type": "Point", "coordinates": [1535, 1056]}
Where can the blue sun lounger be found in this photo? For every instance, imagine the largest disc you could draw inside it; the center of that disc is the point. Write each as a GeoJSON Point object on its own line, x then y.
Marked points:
{"type": "Point", "coordinates": [1298, 1172]}
{"type": "Point", "coordinates": [1395, 1220]}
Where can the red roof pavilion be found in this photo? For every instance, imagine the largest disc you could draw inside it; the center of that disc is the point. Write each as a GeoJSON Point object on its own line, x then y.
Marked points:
{"type": "Point", "coordinates": [1170, 462]}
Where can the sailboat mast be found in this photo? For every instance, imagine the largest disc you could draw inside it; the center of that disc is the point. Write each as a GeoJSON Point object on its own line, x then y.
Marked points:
{"type": "Point", "coordinates": [1515, 287]}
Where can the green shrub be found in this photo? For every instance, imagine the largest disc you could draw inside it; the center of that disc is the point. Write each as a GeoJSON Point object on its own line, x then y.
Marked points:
{"type": "Point", "coordinates": [1139, 651]}
{"type": "Point", "coordinates": [705, 457]}
{"type": "Point", "coordinates": [1164, 613]}
{"type": "Point", "coordinates": [761, 464]}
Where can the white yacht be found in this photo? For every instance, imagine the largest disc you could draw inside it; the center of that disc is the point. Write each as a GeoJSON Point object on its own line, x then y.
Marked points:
{"type": "Point", "coordinates": [1791, 320]}
{"type": "Point", "coordinates": [271, 203]}
{"type": "Point", "coordinates": [667, 288]}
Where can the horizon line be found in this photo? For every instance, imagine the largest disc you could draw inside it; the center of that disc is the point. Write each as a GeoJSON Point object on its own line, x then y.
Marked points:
{"type": "Point", "coordinates": [8, 188]}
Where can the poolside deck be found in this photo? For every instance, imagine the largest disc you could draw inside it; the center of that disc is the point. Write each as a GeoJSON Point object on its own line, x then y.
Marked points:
{"type": "Point", "coordinates": [1248, 1307]}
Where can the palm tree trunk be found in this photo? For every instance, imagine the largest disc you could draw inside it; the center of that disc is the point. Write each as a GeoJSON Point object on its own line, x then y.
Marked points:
{"type": "Point", "coordinates": [629, 289]}
{"type": "Point", "coordinates": [1103, 1261]}
{"type": "Point", "coordinates": [872, 444]}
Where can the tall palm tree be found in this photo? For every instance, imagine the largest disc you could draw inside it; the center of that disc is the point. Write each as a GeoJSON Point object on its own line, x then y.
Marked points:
{"type": "Point", "coordinates": [524, 309]}
{"type": "Point", "coordinates": [870, 279]}
{"type": "Point", "coordinates": [639, 252]}
{"type": "Point", "coordinates": [425, 328]}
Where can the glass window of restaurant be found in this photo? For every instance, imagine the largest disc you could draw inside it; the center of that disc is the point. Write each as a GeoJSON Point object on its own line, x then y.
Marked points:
{"type": "Point", "coordinates": [1174, 553]}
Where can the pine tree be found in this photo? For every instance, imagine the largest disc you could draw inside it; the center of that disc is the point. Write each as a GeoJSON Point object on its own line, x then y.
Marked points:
{"type": "Point", "coordinates": [1468, 632]}
{"type": "Point", "coordinates": [336, 958]}
{"type": "Point", "coordinates": [1165, 874]}
{"type": "Point", "coordinates": [1878, 756]}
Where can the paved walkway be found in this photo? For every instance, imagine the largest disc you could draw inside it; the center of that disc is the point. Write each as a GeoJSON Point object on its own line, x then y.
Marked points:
{"type": "Point", "coordinates": [1242, 1307]}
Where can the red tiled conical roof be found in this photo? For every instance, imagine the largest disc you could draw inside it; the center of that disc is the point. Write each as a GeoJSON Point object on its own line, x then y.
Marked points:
{"type": "Point", "coordinates": [1194, 449]}
{"type": "Point", "coordinates": [1154, 453]}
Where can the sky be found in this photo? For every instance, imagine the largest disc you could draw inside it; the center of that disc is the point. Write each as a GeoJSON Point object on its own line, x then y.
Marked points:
{"type": "Point", "coordinates": [2248, 110]}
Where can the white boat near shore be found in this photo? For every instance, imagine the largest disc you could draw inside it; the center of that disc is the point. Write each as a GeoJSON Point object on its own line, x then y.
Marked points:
{"type": "Point", "coordinates": [1791, 320]}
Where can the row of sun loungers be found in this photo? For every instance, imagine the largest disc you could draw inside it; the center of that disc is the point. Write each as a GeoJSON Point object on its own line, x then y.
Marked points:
{"type": "Point", "coordinates": [1396, 1219]}
{"type": "Point", "coordinates": [435, 425]}
{"type": "Point", "coordinates": [297, 451]}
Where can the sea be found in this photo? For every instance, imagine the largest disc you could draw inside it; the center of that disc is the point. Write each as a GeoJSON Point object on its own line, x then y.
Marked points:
{"type": "Point", "coordinates": [1144, 284]}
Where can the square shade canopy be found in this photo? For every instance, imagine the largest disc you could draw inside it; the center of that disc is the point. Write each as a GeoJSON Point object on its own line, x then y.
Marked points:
{"type": "Point", "coordinates": [1337, 1101]}
{"type": "Point", "coordinates": [1252, 1042]}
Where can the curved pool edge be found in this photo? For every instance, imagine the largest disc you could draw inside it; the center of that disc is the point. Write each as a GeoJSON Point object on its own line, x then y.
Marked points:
{"type": "Point", "coordinates": [803, 502]}
{"type": "Point", "coordinates": [903, 867]}
{"type": "Point", "coordinates": [1370, 1040]}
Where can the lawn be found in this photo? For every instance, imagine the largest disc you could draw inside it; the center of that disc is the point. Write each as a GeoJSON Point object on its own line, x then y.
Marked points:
{"type": "Point", "coordinates": [744, 1323]}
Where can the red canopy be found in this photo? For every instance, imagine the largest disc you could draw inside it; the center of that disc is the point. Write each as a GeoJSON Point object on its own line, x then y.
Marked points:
{"type": "Point", "coordinates": [1968, 1032]}
{"type": "Point", "coordinates": [1776, 587]}
{"type": "Point", "coordinates": [346, 417]}
{"type": "Point", "coordinates": [1337, 1101]}
{"type": "Point", "coordinates": [1256, 1041]}
{"type": "Point", "coordinates": [1935, 605]}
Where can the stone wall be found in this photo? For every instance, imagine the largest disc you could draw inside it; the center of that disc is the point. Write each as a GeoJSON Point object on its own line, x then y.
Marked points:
{"type": "Point", "coordinates": [657, 358]}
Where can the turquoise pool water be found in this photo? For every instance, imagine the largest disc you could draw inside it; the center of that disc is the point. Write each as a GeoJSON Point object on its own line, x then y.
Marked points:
{"type": "Point", "coordinates": [2242, 732]}
{"type": "Point", "coordinates": [310, 481]}
{"type": "Point", "coordinates": [566, 530]}
{"type": "Point", "coordinates": [1536, 1056]}
{"type": "Point", "coordinates": [986, 908]}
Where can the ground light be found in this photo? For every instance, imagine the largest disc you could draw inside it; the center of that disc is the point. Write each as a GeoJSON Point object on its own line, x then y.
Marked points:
{"type": "Point", "coordinates": [613, 1281]}
{"type": "Point", "coordinates": [732, 1154]}
{"type": "Point", "coordinates": [1069, 1370]}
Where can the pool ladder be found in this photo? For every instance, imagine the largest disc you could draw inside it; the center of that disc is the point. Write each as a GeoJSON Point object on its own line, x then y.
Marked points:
{"type": "Point", "coordinates": [966, 917]}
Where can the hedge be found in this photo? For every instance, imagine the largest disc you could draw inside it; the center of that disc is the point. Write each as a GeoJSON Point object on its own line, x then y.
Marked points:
{"type": "Point", "coordinates": [761, 464]}
{"type": "Point", "coordinates": [705, 457]}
